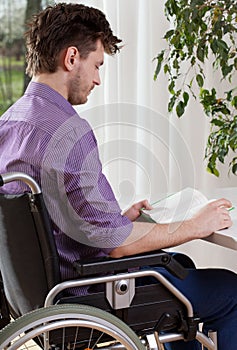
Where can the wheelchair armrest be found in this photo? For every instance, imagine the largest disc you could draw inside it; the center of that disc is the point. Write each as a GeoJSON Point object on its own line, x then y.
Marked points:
{"type": "Point", "coordinates": [107, 264]}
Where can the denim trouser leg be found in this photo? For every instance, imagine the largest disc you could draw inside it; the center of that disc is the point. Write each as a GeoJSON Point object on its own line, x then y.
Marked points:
{"type": "Point", "coordinates": [213, 294]}
{"type": "Point", "coordinates": [180, 345]}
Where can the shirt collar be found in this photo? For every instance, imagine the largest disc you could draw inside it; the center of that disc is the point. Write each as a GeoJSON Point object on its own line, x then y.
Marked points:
{"type": "Point", "coordinates": [46, 92]}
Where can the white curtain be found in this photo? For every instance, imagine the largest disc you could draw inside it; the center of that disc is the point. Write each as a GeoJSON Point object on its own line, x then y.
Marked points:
{"type": "Point", "coordinates": [146, 152]}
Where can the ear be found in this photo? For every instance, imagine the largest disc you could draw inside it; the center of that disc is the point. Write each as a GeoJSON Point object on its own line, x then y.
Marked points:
{"type": "Point", "coordinates": [71, 57]}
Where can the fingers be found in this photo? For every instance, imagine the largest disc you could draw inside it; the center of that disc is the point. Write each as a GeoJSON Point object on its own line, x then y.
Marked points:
{"type": "Point", "coordinates": [222, 202]}
{"type": "Point", "coordinates": [223, 205]}
{"type": "Point", "coordinates": [144, 205]}
{"type": "Point", "coordinates": [135, 211]}
{"type": "Point", "coordinates": [214, 216]}
{"type": "Point", "coordinates": [225, 216]}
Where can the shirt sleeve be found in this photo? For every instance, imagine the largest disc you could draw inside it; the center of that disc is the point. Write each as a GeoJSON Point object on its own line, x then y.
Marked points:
{"type": "Point", "coordinates": [79, 198]}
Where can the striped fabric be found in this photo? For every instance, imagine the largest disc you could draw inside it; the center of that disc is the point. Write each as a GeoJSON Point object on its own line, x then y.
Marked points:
{"type": "Point", "coordinates": [43, 136]}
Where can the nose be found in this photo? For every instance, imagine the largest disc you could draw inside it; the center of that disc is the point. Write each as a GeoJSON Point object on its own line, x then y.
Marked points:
{"type": "Point", "coordinates": [97, 80]}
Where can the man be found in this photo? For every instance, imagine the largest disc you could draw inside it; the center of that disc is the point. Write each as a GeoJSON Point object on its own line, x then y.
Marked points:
{"type": "Point", "coordinates": [43, 136]}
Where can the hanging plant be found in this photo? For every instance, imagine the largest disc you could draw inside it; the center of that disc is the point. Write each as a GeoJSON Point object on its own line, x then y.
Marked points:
{"type": "Point", "coordinates": [204, 32]}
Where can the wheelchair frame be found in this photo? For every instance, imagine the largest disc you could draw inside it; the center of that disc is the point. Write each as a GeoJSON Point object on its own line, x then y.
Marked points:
{"type": "Point", "coordinates": [120, 291]}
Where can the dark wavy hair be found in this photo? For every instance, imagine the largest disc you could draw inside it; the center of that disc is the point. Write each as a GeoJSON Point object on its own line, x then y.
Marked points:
{"type": "Point", "coordinates": [63, 25]}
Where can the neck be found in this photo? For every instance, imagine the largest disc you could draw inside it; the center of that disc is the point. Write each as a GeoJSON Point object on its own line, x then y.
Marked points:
{"type": "Point", "coordinates": [54, 81]}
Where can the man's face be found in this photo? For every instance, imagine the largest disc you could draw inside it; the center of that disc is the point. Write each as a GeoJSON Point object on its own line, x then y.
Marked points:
{"type": "Point", "coordinates": [86, 76]}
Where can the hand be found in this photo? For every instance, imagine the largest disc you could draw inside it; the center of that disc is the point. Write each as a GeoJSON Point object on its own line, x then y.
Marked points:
{"type": "Point", "coordinates": [135, 211]}
{"type": "Point", "coordinates": [214, 216]}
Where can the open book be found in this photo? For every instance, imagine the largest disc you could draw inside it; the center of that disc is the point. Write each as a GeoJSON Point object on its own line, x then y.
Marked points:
{"type": "Point", "coordinates": [176, 207]}
{"type": "Point", "coordinates": [183, 205]}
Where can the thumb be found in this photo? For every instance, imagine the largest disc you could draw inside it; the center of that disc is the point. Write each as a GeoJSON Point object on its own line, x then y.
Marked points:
{"type": "Point", "coordinates": [146, 205]}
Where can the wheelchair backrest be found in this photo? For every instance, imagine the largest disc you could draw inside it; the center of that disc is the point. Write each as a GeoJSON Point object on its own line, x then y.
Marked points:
{"type": "Point", "coordinates": [29, 261]}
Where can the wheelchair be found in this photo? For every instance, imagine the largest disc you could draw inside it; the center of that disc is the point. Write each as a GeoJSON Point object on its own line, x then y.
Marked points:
{"type": "Point", "coordinates": [122, 315]}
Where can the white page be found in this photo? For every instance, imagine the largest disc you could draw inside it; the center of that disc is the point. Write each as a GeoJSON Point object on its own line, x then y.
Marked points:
{"type": "Point", "coordinates": [178, 206]}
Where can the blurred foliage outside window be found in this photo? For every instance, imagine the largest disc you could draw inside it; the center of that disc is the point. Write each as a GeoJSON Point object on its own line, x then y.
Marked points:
{"type": "Point", "coordinates": [13, 16]}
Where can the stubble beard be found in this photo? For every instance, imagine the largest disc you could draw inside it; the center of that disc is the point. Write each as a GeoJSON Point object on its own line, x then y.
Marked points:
{"type": "Point", "coordinates": [77, 95]}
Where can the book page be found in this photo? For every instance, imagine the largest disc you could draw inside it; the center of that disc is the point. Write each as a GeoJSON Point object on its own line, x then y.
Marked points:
{"type": "Point", "coordinates": [177, 207]}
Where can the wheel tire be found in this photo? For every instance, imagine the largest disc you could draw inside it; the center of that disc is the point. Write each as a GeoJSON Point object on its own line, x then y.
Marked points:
{"type": "Point", "coordinates": [33, 325]}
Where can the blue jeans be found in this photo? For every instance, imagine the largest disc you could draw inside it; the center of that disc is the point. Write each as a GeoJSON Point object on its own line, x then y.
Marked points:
{"type": "Point", "coordinates": [213, 294]}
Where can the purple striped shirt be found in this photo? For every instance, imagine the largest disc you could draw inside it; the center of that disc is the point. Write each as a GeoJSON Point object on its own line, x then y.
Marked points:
{"type": "Point", "coordinates": [43, 136]}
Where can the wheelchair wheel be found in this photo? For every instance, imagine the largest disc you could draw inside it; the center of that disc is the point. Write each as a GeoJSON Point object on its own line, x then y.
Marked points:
{"type": "Point", "coordinates": [68, 327]}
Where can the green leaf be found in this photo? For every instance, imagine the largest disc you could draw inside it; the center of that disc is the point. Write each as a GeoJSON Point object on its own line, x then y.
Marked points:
{"type": "Point", "coordinates": [166, 68]}
{"type": "Point", "coordinates": [233, 141]}
{"type": "Point", "coordinates": [226, 70]}
{"type": "Point", "coordinates": [171, 7]}
{"type": "Point", "coordinates": [176, 63]}
{"type": "Point", "coordinates": [234, 102]}
{"type": "Point", "coordinates": [180, 109]}
{"type": "Point", "coordinates": [213, 171]}
{"type": "Point", "coordinates": [234, 169]}
{"type": "Point", "coordinates": [211, 166]}
{"type": "Point", "coordinates": [214, 46]}
{"type": "Point", "coordinates": [216, 172]}
{"type": "Point", "coordinates": [169, 34]}
{"type": "Point", "coordinates": [172, 103]}
{"type": "Point", "coordinates": [217, 122]}
{"type": "Point", "coordinates": [199, 80]}
{"type": "Point", "coordinates": [222, 45]}
{"type": "Point", "coordinates": [193, 60]}
{"type": "Point", "coordinates": [229, 95]}
{"type": "Point", "coordinates": [171, 87]}
{"type": "Point", "coordinates": [186, 98]}
{"type": "Point", "coordinates": [201, 52]}
{"type": "Point", "coordinates": [160, 59]}
{"type": "Point", "coordinates": [176, 41]}
{"type": "Point", "coordinates": [235, 63]}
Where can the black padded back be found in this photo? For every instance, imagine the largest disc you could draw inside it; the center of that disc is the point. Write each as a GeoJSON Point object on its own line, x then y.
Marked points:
{"type": "Point", "coordinates": [28, 257]}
